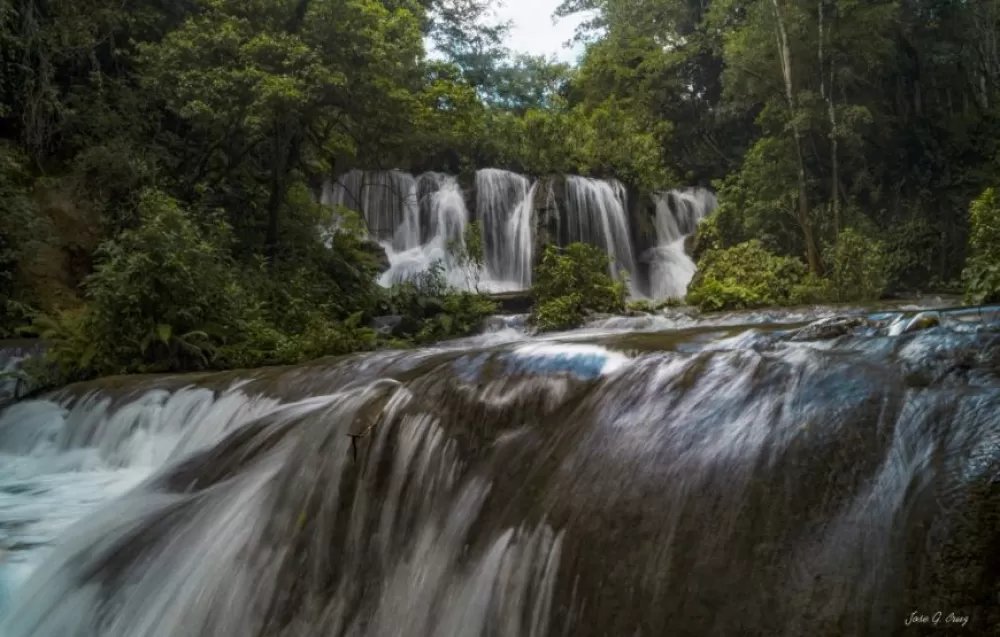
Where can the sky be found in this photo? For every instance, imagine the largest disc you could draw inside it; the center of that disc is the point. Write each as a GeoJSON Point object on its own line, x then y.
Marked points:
{"type": "Point", "coordinates": [533, 30]}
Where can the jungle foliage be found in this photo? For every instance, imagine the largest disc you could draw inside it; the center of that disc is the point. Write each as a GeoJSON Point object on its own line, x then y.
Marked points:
{"type": "Point", "coordinates": [572, 283]}
{"type": "Point", "coordinates": [159, 160]}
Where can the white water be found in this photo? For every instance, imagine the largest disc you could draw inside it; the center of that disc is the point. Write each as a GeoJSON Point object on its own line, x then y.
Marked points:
{"type": "Point", "coordinates": [429, 232]}
{"type": "Point", "coordinates": [596, 215]}
{"type": "Point", "coordinates": [59, 464]}
{"type": "Point", "coordinates": [10, 364]}
{"type": "Point", "coordinates": [678, 213]}
{"type": "Point", "coordinates": [386, 199]}
{"type": "Point", "coordinates": [419, 221]}
{"type": "Point", "coordinates": [593, 482]}
{"type": "Point", "coordinates": [504, 207]}
{"type": "Point", "coordinates": [207, 559]}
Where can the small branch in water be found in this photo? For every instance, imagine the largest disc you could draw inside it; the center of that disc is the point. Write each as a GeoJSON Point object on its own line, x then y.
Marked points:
{"type": "Point", "coordinates": [363, 434]}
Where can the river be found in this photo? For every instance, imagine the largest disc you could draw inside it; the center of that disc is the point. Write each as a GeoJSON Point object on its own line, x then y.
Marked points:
{"type": "Point", "coordinates": [824, 472]}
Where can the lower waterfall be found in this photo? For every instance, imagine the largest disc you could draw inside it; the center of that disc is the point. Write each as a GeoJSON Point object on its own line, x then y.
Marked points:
{"type": "Point", "coordinates": [782, 478]}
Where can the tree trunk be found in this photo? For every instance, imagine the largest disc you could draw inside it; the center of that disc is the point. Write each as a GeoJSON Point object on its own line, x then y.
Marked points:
{"type": "Point", "coordinates": [286, 148]}
{"type": "Point", "coordinates": [834, 161]}
{"type": "Point", "coordinates": [826, 91]}
{"type": "Point", "coordinates": [785, 54]}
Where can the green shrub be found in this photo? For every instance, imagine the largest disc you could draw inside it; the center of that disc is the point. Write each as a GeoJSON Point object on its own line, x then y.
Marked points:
{"type": "Point", "coordinates": [646, 306]}
{"type": "Point", "coordinates": [19, 230]}
{"type": "Point", "coordinates": [70, 352]}
{"type": "Point", "coordinates": [982, 270]}
{"type": "Point", "coordinates": [165, 294]}
{"type": "Point", "coordinates": [912, 252]}
{"type": "Point", "coordinates": [706, 237]}
{"type": "Point", "coordinates": [571, 283]}
{"type": "Point", "coordinates": [470, 254]}
{"type": "Point", "coordinates": [432, 310]}
{"type": "Point", "coordinates": [810, 291]}
{"type": "Point", "coordinates": [744, 276]}
{"type": "Point", "coordinates": [856, 267]}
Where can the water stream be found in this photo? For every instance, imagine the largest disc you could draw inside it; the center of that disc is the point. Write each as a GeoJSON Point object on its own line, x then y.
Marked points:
{"type": "Point", "coordinates": [787, 473]}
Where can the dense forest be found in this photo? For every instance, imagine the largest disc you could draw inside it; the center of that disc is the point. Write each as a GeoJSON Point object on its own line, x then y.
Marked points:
{"type": "Point", "coordinates": [160, 160]}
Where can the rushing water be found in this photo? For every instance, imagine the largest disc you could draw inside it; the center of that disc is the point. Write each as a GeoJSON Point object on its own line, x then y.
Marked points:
{"type": "Point", "coordinates": [678, 214]}
{"type": "Point", "coordinates": [663, 477]}
{"type": "Point", "coordinates": [422, 220]}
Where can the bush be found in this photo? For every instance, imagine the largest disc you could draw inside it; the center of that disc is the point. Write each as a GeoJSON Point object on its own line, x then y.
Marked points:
{"type": "Point", "coordinates": [19, 230]}
{"type": "Point", "coordinates": [857, 267]}
{"type": "Point", "coordinates": [745, 276]}
{"type": "Point", "coordinates": [810, 291]}
{"type": "Point", "coordinates": [573, 282]}
{"type": "Point", "coordinates": [431, 310]}
{"type": "Point", "coordinates": [912, 253]}
{"type": "Point", "coordinates": [982, 270]}
{"type": "Point", "coordinates": [165, 294]}
{"type": "Point", "coordinates": [706, 237]}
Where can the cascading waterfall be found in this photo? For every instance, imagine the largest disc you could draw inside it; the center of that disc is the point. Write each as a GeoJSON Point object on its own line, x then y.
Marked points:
{"type": "Point", "coordinates": [595, 214]}
{"type": "Point", "coordinates": [826, 479]}
{"type": "Point", "coordinates": [60, 461]}
{"type": "Point", "coordinates": [678, 213]}
{"type": "Point", "coordinates": [418, 220]}
{"type": "Point", "coordinates": [504, 208]}
{"type": "Point", "coordinates": [386, 200]}
{"type": "Point", "coordinates": [429, 231]}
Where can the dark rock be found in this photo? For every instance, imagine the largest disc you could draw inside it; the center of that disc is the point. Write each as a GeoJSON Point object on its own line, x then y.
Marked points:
{"type": "Point", "coordinates": [923, 321]}
{"type": "Point", "coordinates": [826, 329]}
{"type": "Point", "coordinates": [691, 244]}
{"type": "Point", "coordinates": [388, 325]}
{"type": "Point", "coordinates": [513, 302]}
{"type": "Point", "coordinates": [375, 249]}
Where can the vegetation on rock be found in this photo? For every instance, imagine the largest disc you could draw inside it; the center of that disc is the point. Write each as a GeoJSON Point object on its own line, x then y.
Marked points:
{"type": "Point", "coordinates": [745, 276]}
{"type": "Point", "coordinates": [572, 283]}
{"type": "Point", "coordinates": [982, 273]}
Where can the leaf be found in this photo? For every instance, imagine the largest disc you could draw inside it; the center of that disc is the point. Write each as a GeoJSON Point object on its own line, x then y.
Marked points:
{"type": "Point", "coordinates": [164, 332]}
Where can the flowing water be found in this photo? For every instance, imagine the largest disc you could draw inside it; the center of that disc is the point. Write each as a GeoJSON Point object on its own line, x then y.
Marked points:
{"type": "Point", "coordinates": [422, 220]}
{"type": "Point", "coordinates": [596, 215]}
{"type": "Point", "coordinates": [13, 354]}
{"type": "Point", "coordinates": [812, 473]}
{"type": "Point", "coordinates": [678, 213]}
{"type": "Point", "coordinates": [503, 206]}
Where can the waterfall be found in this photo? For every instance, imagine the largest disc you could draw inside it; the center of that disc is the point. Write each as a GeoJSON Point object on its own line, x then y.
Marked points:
{"type": "Point", "coordinates": [704, 481]}
{"type": "Point", "coordinates": [385, 199]}
{"type": "Point", "coordinates": [678, 213]}
{"type": "Point", "coordinates": [504, 207]}
{"type": "Point", "coordinates": [595, 214]}
{"type": "Point", "coordinates": [429, 231]}
{"type": "Point", "coordinates": [418, 219]}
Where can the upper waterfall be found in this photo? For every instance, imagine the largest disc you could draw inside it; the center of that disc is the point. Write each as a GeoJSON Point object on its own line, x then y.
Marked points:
{"type": "Point", "coordinates": [678, 213]}
{"type": "Point", "coordinates": [504, 207]}
{"type": "Point", "coordinates": [596, 215]}
{"type": "Point", "coordinates": [422, 220]}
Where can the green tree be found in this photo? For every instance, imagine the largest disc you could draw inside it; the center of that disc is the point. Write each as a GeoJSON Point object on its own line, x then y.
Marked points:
{"type": "Point", "coordinates": [857, 267]}
{"type": "Point", "coordinates": [571, 283]}
{"type": "Point", "coordinates": [279, 91]}
{"type": "Point", "coordinates": [982, 273]}
{"type": "Point", "coordinates": [745, 276]}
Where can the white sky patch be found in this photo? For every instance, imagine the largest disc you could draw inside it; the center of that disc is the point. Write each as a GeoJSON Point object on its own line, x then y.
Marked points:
{"type": "Point", "coordinates": [534, 30]}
